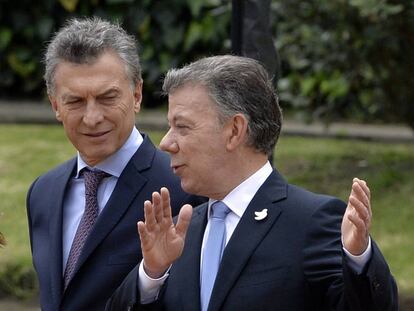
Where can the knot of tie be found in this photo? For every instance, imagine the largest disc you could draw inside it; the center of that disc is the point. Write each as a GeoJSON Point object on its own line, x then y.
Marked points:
{"type": "Point", "coordinates": [219, 210]}
{"type": "Point", "coordinates": [92, 180]}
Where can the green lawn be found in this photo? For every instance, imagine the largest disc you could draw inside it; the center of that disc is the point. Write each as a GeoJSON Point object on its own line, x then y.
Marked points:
{"type": "Point", "coordinates": [322, 165]}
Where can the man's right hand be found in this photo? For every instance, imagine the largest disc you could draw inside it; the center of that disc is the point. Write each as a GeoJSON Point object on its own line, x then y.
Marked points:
{"type": "Point", "coordinates": [162, 242]}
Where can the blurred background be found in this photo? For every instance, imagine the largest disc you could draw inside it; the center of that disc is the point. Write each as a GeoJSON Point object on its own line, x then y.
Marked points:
{"type": "Point", "coordinates": [338, 59]}
{"type": "Point", "coordinates": [347, 61]}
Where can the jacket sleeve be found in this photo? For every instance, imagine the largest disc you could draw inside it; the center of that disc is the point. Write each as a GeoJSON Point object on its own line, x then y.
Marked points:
{"type": "Point", "coordinates": [127, 297]}
{"type": "Point", "coordinates": [329, 275]}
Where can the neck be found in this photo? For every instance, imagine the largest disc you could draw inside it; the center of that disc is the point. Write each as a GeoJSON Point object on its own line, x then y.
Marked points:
{"type": "Point", "coordinates": [238, 170]}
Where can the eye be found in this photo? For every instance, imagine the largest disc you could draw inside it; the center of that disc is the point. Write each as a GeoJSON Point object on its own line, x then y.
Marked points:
{"type": "Point", "coordinates": [73, 103]}
{"type": "Point", "coordinates": [108, 100]}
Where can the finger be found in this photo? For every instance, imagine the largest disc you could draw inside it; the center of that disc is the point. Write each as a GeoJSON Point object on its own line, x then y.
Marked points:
{"type": "Point", "coordinates": [156, 202]}
{"type": "Point", "coordinates": [361, 190]}
{"type": "Point", "coordinates": [360, 226]}
{"type": "Point", "coordinates": [363, 184]}
{"type": "Point", "coordinates": [361, 211]}
{"type": "Point", "coordinates": [143, 233]}
{"type": "Point", "coordinates": [360, 194]}
{"type": "Point", "coordinates": [184, 218]}
{"type": "Point", "coordinates": [150, 221]}
{"type": "Point", "coordinates": [166, 205]}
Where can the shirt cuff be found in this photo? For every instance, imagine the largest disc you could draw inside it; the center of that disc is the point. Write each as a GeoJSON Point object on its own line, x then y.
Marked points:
{"type": "Point", "coordinates": [149, 288]}
{"type": "Point", "coordinates": [357, 263]}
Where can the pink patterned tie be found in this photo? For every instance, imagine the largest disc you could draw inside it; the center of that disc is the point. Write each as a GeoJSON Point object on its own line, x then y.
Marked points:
{"type": "Point", "coordinates": [92, 180]}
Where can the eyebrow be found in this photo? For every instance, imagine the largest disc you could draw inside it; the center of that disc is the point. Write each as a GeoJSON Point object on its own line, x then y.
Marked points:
{"type": "Point", "coordinates": [109, 92]}
{"type": "Point", "coordinates": [178, 117]}
{"type": "Point", "coordinates": [69, 97]}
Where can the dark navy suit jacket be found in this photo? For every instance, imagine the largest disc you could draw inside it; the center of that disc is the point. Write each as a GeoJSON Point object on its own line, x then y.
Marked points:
{"type": "Point", "coordinates": [112, 248]}
{"type": "Point", "coordinates": [290, 261]}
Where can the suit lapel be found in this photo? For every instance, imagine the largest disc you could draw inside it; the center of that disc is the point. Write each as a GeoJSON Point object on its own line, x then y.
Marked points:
{"type": "Point", "coordinates": [247, 235]}
{"type": "Point", "coordinates": [55, 229]}
{"type": "Point", "coordinates": [189, 266]}
{"type": "Point", "coordinates": [128, 186]}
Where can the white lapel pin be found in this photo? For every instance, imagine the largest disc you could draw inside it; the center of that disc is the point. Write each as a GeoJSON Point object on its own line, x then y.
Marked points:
{"type": "Point", "coordinates": [261, 215]}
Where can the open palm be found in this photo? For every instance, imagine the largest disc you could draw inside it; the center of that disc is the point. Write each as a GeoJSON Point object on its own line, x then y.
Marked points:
{"type": "Point", "coordinates": [162, 242]}
{"type": "Point", "coordinates": [357, 219]}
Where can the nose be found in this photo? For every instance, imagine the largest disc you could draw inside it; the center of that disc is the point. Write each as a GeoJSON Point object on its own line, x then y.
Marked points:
{"type": "Point", "coordinates": [168, 143]}
{"type": "Point", "coordinates": [93, 114]}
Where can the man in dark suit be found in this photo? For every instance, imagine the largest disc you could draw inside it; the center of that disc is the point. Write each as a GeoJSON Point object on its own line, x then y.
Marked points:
{"type": "Point", "coordinates": [82, 214]}
{"type": "Point", "coordinates": [285, 248]}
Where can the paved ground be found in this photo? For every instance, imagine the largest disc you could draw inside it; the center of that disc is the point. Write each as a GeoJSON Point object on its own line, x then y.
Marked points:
{"type": "Point", "coordinates": [32, 112]}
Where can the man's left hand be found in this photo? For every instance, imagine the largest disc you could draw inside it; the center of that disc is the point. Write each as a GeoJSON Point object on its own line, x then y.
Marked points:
{"type": "Point", "coordinates": [357, 218]}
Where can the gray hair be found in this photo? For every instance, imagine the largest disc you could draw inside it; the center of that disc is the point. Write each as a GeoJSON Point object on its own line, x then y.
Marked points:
{"type": "Point", "coordinates": [236, 85]}
{"type": "Point", "coordinates": [82, 41]}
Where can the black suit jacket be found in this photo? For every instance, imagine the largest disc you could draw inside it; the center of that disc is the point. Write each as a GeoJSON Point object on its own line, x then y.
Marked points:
{"type": "Point", "coordinates": [290, 261]}
{"type": "Point", "coordinates": [112, 248]}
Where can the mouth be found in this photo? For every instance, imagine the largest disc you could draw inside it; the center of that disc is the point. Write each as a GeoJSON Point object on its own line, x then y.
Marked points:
{"type": "Point", "coordinates": [177, 168]}
{"type": "Point", "coordinates": [96, 134]}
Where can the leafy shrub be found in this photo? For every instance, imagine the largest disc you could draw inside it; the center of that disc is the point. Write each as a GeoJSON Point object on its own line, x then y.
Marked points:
{"type": "Point", "coordinates": [347, 59]}
{"type": "Point", "coordinates": [342, 59]}
{"type": "Point", "coordinates": [170, 33]}
{"type": "Point", "coordinates": [18, 280]}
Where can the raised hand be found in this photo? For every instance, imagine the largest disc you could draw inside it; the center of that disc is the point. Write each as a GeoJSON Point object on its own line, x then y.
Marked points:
{"type": "Point", "coordinates": [357, 218]}
{"type": "Point", "coordinates": [162, 242]}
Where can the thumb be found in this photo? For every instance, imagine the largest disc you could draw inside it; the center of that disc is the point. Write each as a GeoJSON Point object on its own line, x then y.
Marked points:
{"type": "Point", "coordinates": [184, 218]}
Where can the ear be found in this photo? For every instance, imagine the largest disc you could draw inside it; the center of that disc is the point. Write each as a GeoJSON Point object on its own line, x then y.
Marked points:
{"type": "Point", "coordinates": [237, 131]}
{"type": "Point", "coordinates": [138, 96]}
{"type": "Point", "coordinates": [55, 107]}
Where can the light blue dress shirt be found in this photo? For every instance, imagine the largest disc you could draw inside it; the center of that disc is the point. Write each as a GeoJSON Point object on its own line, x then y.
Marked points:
{"type": "Point", "coordinates": [74, 201]}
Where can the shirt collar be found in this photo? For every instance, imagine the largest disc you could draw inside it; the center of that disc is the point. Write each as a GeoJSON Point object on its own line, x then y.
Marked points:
{"type": "Point", "coordinates": [116, 162]}
{"type": "Point", "coordinates": [240, 197]}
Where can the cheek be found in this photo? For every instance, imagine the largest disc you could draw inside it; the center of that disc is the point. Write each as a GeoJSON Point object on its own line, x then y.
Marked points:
{"type": "Point", "coordinates": [124, 108]}
{"type": "Point", "coordinates": [123, 114]}
{"type": "Point", "coordinates": [70, 123]}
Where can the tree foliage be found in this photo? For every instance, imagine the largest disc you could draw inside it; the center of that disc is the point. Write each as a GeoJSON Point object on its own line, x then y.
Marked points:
{"type": "Point", "coordinates": [170, 33]}
{"type": "Point", "coordinates": [339, 59]}
{"type": "Point", "coordinates": [347, 58]}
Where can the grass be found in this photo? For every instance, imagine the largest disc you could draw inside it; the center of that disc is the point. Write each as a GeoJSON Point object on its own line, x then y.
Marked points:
{"type": "Point", "coordinates": [321, 165]}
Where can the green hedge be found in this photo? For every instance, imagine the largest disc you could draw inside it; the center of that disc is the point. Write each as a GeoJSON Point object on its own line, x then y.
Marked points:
{"type": "Point", "coordinates": [347, 58]}
{"type": "Point", "coordinates": [170, 33]}
{"type": "Point", "coordinates": [340, 59]}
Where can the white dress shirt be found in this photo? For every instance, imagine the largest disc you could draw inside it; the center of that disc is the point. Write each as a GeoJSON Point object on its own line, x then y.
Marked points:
{"type": "Point", "coordinates": [74, 201]}
{"type": "Point", "coordinates": [237, 201]}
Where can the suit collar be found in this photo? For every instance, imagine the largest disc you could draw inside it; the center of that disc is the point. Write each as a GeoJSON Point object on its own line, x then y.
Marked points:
{"type": "Point", "coordinates": [247, 235]}
{"type": "Point", "coordinates": [189, 281]}
{"type": "Point", "coordinates": [58, 189]}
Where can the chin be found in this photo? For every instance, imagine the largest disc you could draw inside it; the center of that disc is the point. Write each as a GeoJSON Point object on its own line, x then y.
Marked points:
{"type": "Point", "coordinates": [187, 187]}
{"type": "Point", "coordinates": [191, 189]}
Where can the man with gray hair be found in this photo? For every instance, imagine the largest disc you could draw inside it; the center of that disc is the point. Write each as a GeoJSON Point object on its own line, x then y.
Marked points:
{"type": "Point", "coordinates": [82, 214]}
{"type": "Point", "coordinates": [259, 243]}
